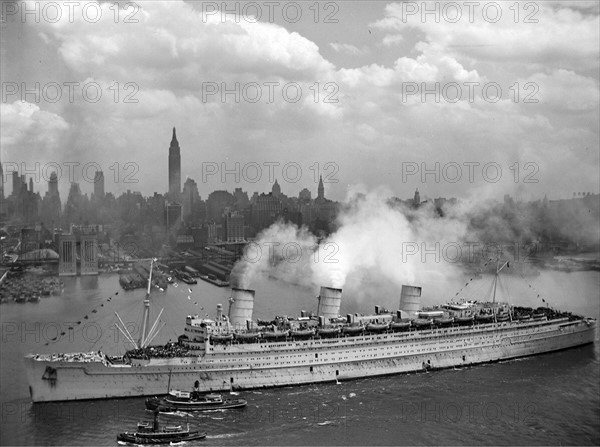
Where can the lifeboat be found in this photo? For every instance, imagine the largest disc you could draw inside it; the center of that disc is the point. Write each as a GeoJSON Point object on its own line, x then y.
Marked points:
{"type": "Point", "coordinates": [247, 337]}
{"type": "Point", "coordinates": [464, 320]}
{"type": "Point", "coordinates": [352, 330]}
{"type": "Point", "coordinates": [401, 325]}
{"type": "Point", "coordinates": [457, 306]}
{"type": "Point", "coordinates": [482, 318]}
{"type": "Point", "coordinates": [420, 323]}
{"type": "Point", "coordinates": [376, 327]}
{"type": "Point", "coordinates": [538, 316]}
{"type": "Point", "coordinates": [328, 331]}
{"type": "Point", "coordinates": [502, 317]}
{"type": "Point", "coordinates": [525, 318]}
{"type": "Point", "coordinates": [302, 333]}
{"type": "Point", "coordinates": [221, 338]}
{"type": "Point", "coordinates": [275, 335]}
{"type": "Point", "coordinates": [431, 314]}
{"type": "Point", "coordinates": [444, 321]}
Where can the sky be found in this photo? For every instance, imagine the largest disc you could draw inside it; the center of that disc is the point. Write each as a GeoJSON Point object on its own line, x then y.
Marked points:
{"type": "Point", "coordinates": [455, 100]}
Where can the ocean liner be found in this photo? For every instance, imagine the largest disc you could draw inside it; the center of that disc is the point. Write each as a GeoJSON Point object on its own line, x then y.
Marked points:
{"type": "Point", "coordinates": [232, 352]}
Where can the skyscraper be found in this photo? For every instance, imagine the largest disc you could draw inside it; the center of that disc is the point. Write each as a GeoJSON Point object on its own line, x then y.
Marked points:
{"type": "Point", "coordinates": [99, 185]}
{"type": "Point", "coordinates": [53, 185]}
{"type": "Point", "coordinates": [321, 189]}
{"type": "Point", "coordinates": [417, 198]}
{"type": "Point", "coordinates": [276, 189]}
{"type": "Point", "coordinates": [1, 182]}
{"type": "Point", "coordinates": [16, 184]}
{"type": "Point", "coordinates": [190, 199]}
{"type": "Point", "coordinates": [174, 169]}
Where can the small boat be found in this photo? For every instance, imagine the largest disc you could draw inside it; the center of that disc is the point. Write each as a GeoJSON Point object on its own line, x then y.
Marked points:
{"type": "Point", "coordinates": [376, 327]}
{"type": "Point", "coordinates": [221, 338]}
{"type": "Point", "coordinates": [302, 333]}
{"type": "Point", "coordinates": [178, 400]}
{"type": "Point", "coordinates": [421, 323]}
{"type": "Point", "coordinates": [274, 335]}
{"type": "Point", "coordinates": [463, 320]}
{"type": "Point", "coordinates": [400, 325]}
{"type": "Point", "coordinates": [247, 337]}
{"type": "Point", "coordinates": [483, 318]}
{"type": "Point", "coordinates": [502, 317]}
{"type": "Point", "coordinates": [329, 331]}
{"type": "Point", "coordinates": [352, 330]}
{"type": "Point", "coordinates": [443, 321]}
{"type": "Point", "coordinates": [150, 433]}
{"type": "Point", "coordinates": [430, 314]}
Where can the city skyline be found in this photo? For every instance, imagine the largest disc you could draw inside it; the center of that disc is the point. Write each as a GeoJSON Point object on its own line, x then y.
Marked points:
{"type": "Point", "coordinates": [375, 131]}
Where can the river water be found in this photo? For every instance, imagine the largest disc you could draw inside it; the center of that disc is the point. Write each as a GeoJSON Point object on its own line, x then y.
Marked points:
{"type": "Point", "coordinates": [547, 399]}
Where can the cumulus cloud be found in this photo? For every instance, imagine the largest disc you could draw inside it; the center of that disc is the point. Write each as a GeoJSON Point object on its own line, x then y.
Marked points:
{"type": "Point", "coordinates": [172, 54]}
{"type": "Point", "coordinates": [346, 48]}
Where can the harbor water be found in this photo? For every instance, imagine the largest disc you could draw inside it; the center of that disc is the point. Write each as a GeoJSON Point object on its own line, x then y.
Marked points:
{"type": "Point", "coordinates": [549, 399]}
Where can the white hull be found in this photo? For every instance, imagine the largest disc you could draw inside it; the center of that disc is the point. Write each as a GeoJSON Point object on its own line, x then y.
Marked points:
{"type": "Point", "coordinates": [265, 364]}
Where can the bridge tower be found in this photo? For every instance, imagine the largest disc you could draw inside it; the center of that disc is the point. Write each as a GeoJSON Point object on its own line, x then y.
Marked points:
{"type": "Point", "coordinates": [67, 252]}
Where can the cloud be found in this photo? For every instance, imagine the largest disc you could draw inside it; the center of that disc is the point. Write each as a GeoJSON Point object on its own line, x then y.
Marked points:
{"type": "Point", "coordinates": [346, 48]}
{"type": "Point", "coordinates": [25, 125]}
{"type": "Point", "coordinates": [368, 126]}
{"type": "Point", "coordinates": [392, 39]}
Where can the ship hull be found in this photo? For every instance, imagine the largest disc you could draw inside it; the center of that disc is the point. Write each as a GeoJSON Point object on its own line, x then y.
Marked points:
{"type": "Point", "coordinates": [301, 362]}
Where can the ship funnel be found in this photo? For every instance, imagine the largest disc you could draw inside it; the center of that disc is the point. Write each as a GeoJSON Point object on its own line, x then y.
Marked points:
{"type": "Point", "coordinates": [410, 300]}
{"type": "Point", "coordinates": [329, 302]}
{"type": "Point", "coordinates": [241, 305]}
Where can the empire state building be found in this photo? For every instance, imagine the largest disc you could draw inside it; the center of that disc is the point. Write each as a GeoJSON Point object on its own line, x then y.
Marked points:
{"type": "Point", "coordinates": [174, 169]}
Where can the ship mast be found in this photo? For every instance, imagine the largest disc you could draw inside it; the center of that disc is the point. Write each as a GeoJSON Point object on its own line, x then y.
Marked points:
{"type": "Point", "coordinates": [498, 269]}
{"type": "Point", "coordinates": [146, 317]}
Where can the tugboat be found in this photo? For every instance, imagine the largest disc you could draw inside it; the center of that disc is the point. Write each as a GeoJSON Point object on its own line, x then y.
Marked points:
{"type": "Point", "coordinates": [178, 400]}
{"type": "Point", "coordinates": [150, 433]}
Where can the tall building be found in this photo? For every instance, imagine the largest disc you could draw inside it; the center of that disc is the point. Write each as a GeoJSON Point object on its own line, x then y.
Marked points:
{"type": "Point", "coordinates": [321, 189]}
{"type": "Point", "coordinates": [173, 215]}
{"type": "Point", "coordinates": [217, 203]}
{"type": "Point", "coordinates": [234, 227]}
{"type": "Point", "coordinates": [190, 199]}
{"type": "Point", "coordinates": [99, 185]}
{"type": "Point", "coordinates": [51, 205]}
{"type": "Point", "coordinates": [174, 169]}
{"type": "Point", "coordinates": [417, 198]}
{"type": "Point", "coordinates": [53, 185]}
{"type": "Point", "coordinates": [304, 195]}
{"type": "Point", "coordinates": [16, 184]}
{"type": "Point", "coordinates": [265, 211]}
{"type": "Point", "coordinates": [276, 189]}
{"type": "Point", "coordinates": [1, 182]}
